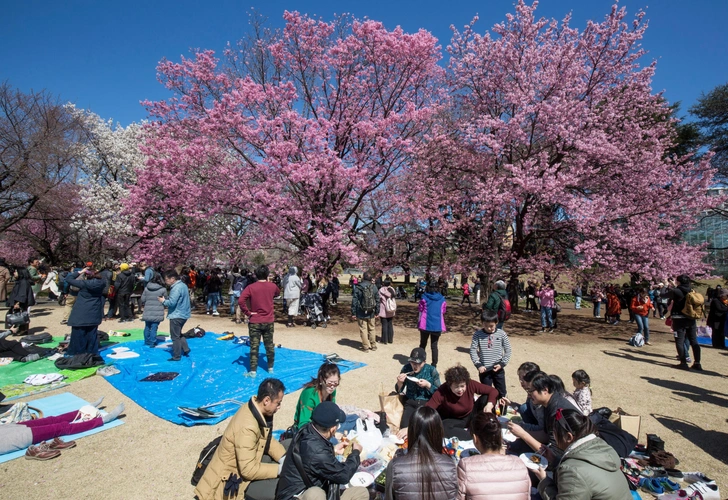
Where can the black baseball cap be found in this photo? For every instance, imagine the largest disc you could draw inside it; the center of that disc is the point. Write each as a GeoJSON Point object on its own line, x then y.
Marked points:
{"type": "Point", "coordinates": [418, 355]}
{"type": "Point", "coordinates": [328, 414]}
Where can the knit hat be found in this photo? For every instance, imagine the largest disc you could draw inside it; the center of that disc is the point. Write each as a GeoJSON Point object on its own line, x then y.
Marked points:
{"type": "Point", "coordinates": [328, 414]}
{"type": "Point", "coordinates": [124, 266]}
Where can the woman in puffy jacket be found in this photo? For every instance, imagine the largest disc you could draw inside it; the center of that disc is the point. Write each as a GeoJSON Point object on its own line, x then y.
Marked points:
{"type": "Point", "coordinates": [424, 473]}
{"type": "Point", "coordinates": [386, 316]}
{"type": "Point", "coordinates": [640, 307]}
{"type": "Point", "coordinates": [492, 475]}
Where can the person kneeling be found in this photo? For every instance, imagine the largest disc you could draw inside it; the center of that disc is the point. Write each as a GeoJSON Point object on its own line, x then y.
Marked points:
{"type": "Point", "coordinates": [311, 468]}
{"type": "Point", "coordinates": [241, 456]}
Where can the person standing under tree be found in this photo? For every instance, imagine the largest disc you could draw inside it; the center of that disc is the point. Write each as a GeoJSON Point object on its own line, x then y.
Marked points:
{"type": "Point", "coordinates": [490, 352]}
{"type": "Point", "coordinates": [256, 303]}
{"type": "Point", "coordinates": [431, 324]}
{"type": "Point", "coordinates": [178, 305]}
{"type": "Point", "coordinates": [387, 310]}
{"type": "Point", "coordinates": [466, 293]}
{"type": "Point", "coordinates": [364, 308]}
{"type": "Point", "coordinates": [496, 298]}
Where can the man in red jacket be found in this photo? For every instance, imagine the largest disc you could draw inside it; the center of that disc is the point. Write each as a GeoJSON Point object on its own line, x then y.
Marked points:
{"type": "Point", "coordinates": [256, 302]}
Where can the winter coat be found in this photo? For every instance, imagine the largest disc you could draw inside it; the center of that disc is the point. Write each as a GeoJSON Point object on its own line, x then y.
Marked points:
{"type": "Point", "coordinates": [494, 299]}
{"type": "Point", "coordinates": [292, 284]}
{"type": "Point", "coordinates": [546, 296]}
{"type": "Point", "coordinates": [614, 308]}
{"type": "Point", "coordinates": [319, 464]}
{"type": "Point", "coordinates": [125, 282]}
{"type": "Point", "coordinates": [153, 309]}
{"type": "Point", "coordinates": [589, 470]}
{"type": "Point", "coordinates": [403, 478]}
{"type": "Point", "coordinates": [385, 293]}
{"type": "Point", "coordinates": [641, 308]}
{"type": "Point", "coordinates": [22, 292]}
{"type": "Point", "coordinates": [678, 296]}
{"type": "Point", "coordinates": [178, 302]}
{"type": "Point", "coordinates": [89, 307]}
{"type": "Point", "coordinates": [36, 277]}
{"type": "Point", "coordinates": [493, 477]}
{"type": "Point", "coordinates": [717, 311]}
{"type": "Point", "coordinates": [240, 452]}
{"type": "Point", "coordinates": [432, 312]}
{"type": "Point", "coordinates": [4, 280]}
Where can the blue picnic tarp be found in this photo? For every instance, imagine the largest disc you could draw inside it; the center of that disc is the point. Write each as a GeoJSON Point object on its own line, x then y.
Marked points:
{"type": "Point", "coordinates": [213, 372]}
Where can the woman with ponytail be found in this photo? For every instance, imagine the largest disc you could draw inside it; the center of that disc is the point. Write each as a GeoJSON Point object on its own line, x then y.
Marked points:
{"type": "Point", "coordinates": [492, 475]}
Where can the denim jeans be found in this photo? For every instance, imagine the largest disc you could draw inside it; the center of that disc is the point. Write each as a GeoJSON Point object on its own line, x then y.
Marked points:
{"type": "Point", "coordinates": [597, 309]}
{"type": "Point", "coordinates": [577, 302]}
{"type": "Point", "coordinates": [233, 302]}
{"type": "Point", "coordinates": [150, 333]}
{"type": "Point", "coordinates": [686, 330]}
{"type": "Point", "coordinates": [547, 319]}
{"type": "Point", "coordinates": [213, 299]}
{"type": "Point", "coordinates": [643, 326]}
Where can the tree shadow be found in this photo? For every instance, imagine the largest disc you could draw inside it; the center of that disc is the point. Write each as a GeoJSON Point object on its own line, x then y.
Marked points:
{"type": "Point", "coordinates": [620, 339]}
{"type": "Point", "coordinates": [629, 356]}
{"type": "Point", "coordinates": [688, 391]}
{"type": "Point", "coordinates": [711, 442]}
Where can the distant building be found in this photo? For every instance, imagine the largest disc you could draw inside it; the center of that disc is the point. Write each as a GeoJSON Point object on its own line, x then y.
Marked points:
{"type": "Point", "coordinates": [713, 229]}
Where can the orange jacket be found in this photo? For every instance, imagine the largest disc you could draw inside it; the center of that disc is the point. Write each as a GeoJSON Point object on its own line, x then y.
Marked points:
{"type": "Point", "coordinates": [641, 308]}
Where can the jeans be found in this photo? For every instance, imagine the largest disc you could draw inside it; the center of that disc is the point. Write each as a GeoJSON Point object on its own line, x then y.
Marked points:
{"type": "Point", "coordinates": [434, 338]}
{"type": "Point", "coordinates": [577, 302]}
{"type": "Point", "coordinates": [643, 326]}
{"type": "Point", "coordinates": [597, 309]}
{"type": "Point", "coordinates": [233, 302]}
{"type": "Point", "coordinates": [213, 299]}
{"type": "Point", "coordinates": [150, 333]}
{"type": "Point", "coordinates": [686, 329]}
{"type": "Point", "coordinates": [179, 343]}
{"type": "Point", "coordinates": [546, 317]}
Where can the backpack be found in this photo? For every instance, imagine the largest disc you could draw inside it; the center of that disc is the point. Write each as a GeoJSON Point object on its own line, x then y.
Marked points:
{"type": "Point", "coordinates": [369, 299]}
{"type": "Point", "coordinates": [205, 457]}
{"type": "Point", "coordinates": [194, 333]}
{"type": "Point", "coordinates": [637, 340]}
{"type": "Point", "coordinates": [38, 338]}
{"type": "Point", "coordinates": [239, 283]}
{"type": "Point", "coordinates": [504, 310]}
{"type": "Point", "coordinates": [694, 305]}
{"type": "Point", "coordinates": [390, 305]}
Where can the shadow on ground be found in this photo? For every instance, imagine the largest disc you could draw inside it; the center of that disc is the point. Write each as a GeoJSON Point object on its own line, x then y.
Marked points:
{"type": "Point", "coordinates": [711, 442]}
{"type": "Point", "coordinates": [688, 391]}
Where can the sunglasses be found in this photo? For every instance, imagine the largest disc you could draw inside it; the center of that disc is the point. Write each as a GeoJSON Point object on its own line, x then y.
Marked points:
{"type": "Point", "coordinates": [332, 384]}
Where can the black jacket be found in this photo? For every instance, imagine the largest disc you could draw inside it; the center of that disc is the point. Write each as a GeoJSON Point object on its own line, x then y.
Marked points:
{"type": "Point", "coordinates": [678, 295]}
{"type": "Point", "coordinates": [125, 282]}
{"type": "Point", "coordinates": [319, 463]}
{"type": "Point", "coordinates": [717, 311]}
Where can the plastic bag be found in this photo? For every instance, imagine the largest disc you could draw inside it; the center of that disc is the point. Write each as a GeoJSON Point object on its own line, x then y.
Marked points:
{"type": "Point", "coordinates": [705, 331]}
{"type": "Point", "coordinates": [368, 435]}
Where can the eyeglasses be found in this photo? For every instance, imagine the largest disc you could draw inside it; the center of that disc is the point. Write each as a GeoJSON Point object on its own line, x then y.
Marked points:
{"type": "Point", "coordinates": [562, 421]}
{"type": "Point", "coordinates": [332, 384]}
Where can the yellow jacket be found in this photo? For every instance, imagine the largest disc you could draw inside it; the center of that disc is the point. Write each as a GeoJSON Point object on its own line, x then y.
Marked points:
{"type": "Point", "coordinates": [240, 452]}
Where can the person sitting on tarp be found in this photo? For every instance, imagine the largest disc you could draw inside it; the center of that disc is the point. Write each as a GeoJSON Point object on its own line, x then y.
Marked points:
{"type": "Point", "coordinates": [247, 455]}
{"type": "Point", "coordinates": [417, 382]}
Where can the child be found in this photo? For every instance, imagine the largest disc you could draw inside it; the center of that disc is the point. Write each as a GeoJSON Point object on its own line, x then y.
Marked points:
{"type": "Point", "coordinates": [490, 351]}
{"type": "Point", "coordinates": [582, 394]}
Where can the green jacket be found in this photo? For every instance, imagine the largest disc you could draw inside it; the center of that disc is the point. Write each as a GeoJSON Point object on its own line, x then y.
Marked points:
{"type": "Point", "coordinates": [589, 470]}
{"type": "Point", "coordinates": [494, 299]}
{"type": "Point", "coordinates": [36, 277]}
{"type": "Point", "coordinates": [308, 400]}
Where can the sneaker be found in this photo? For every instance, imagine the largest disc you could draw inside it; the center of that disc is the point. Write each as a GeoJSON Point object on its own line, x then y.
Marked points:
{"type": "Point", "coordinates": [250, 375]}
{"type": "Point", "coordinates": [216, 313]}
{"type": "Point", "coordinates": [364, 349]}
{"type": "Point", "coordinates": [41, 452]}
{"type": "Point", "coordinates": [697, 367]}
{"type": "Point", "coordinates": [683, 366]}
{"type": "Point", "coordinates": [174, 359]}
{"type": "Point", "coordinates": [688, 359]}
{"type": "Point", "coordinates": [208, 313]}
{"type": "Point", "coordinates": [703, 490]}
{"type": "Point", "coordinates": [374, 347]}
{"type": "Point", "coordinates": [696, 477]}
{"type": "Point", "coordinates": [648, 343]}
{"type": "Point", "coordinates": [270, 370]}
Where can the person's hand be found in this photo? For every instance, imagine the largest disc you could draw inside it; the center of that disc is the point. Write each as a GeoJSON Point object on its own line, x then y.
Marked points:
{"type": "Point", "coordinates": [540, 473]}
{"type": "Point", "coordinates": [353, 318]}
{"type": "Point", "coordinates": [160, 299]}
{"type": "Point", "coordinates": [497, 368]}
{"type": "Point", "coordinates": [504, 401]}
{"type": "Point", "coordinates": [14, 329]}
{"type": "Point", "coordinates": [481, 369]}
{"type": "Point", "coordinates": [356, 446]}
{"type": "Point", "coordinates": [517, 430]}
{"type": "Point", "coordinates": [402, 433]}
{"type": "Point", "coordinates": [424, 383]}
{"type": "Point", "coordinates": [401, 378]}
{"type": "Point", "coordinates": [339, 448]}
{"type": "Point", "coordinates": [488, 408]}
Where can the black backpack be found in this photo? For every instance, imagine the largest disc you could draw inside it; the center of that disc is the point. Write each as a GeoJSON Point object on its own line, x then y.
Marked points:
{"type": "Point", "coordinates": [205, 457]}
{"type": "Point", "coordinates": [194, 333]}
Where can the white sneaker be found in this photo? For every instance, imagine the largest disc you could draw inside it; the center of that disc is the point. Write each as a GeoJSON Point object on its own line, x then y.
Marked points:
{"type": "Point", "coordinates": [216, 313]}
{"type": "Point", "coordinates": [250, 375]}
{"type": "Point", "coordinates": [695, 477]}
{"type": "Point", "coordinates": [708, 491]}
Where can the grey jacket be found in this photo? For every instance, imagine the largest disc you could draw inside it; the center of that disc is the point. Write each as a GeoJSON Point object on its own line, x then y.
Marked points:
{"type": "Point", "coordinates": [153, 309]}
{"type": "Point", "coordinates": [589, 469]}
{"type": "Point", "coordinates": [403, 479]}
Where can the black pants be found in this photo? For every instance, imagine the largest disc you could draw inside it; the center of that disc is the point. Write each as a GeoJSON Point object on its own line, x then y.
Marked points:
{"type": "Point", "coordinates": [495, 379]}
{"type": "Point", "coordinates": [718, 334]}
{"type": "Point", "coordinates": [435, 337]}
{"type": "Point", "coordinates": [264, 489]}
{"type": "Point", "coordinates": [456, 427]}
{"type": "Point", "coordinates": [84, 339]}
{"type": "Point", "coordinates": [466, 297]}
{"type": "Point", "coordinates": [124, 301]}
{"type": "Point", "coordinates": [686, 328]}
{"type": "Point", "coordinates": [387, 330]}
{"type": "Point", "coordinates": [410, 407]}
{"type": "Point", "coordinates": [531, 304]}
{"type": "Point", "coordinates": [179, 343]}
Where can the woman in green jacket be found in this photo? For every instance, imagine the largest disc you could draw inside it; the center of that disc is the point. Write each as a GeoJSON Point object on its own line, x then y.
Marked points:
{"type": "Point", "coordinates": [322, 388]}
{"type": "Point", "coordinates": [589, 468]}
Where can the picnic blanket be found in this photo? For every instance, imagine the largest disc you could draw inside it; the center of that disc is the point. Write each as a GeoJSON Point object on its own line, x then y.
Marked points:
{"type": "Point", "coordinates": [57, 405]}
{"type": "Point", "coordinates": [213, 372]}
{"type": "Point", "coordinates": [12, 375]}
{"type": "Point", "coordinates": [707, 341]}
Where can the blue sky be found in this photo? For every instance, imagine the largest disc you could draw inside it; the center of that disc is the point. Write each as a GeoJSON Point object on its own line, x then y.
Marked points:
{"type": "Point", "coordinates": [102, 55]}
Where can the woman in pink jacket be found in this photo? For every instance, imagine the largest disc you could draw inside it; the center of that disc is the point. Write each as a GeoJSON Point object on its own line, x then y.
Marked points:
{"type": "Point", "coordinates": [492, 475]}
{"type": "Point", "coordinates": [387, 307]}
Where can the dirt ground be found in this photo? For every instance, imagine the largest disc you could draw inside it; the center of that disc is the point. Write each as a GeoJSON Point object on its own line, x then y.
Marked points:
{"type": "Point", "coordinates": [148, 457]}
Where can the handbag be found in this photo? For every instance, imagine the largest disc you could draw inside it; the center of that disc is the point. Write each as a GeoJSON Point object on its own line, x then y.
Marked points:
{"type": "Point", "coordinates": [391, 405]}
{"type": "Point", "coordinates": [17, 318]}
{"type": "Point", "coordinates": [705, 331]}
{"type": "Point", "coordinates": [20, 412]}
{"type": "Point", "coordinates": [111, 293]}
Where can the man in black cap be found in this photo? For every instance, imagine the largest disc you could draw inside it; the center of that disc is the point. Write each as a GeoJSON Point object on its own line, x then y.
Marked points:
{"type": "Point", "coordinates": [417, 382]}
{"type": "Point", "coordinates": [311, 468]}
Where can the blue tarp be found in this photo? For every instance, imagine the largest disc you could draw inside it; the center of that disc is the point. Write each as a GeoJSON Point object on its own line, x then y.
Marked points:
{"type": "Point", "coordinates": [213, 372]}
{"type": "Point", "coordinates": [708, 341]}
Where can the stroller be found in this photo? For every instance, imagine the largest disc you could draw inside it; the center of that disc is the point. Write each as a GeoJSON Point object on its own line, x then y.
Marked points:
{"type": "Point", "coordinates": [312, 305]}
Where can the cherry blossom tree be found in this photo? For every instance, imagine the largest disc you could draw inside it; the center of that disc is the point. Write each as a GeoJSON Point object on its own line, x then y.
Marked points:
{"type": "Point", "coordinates": [284, 143]}
{"type": "Point", "coordinates": [555, 156]}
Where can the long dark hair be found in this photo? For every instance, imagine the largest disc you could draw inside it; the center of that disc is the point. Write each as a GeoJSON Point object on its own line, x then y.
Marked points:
{"type": "Point", "coordinates": [424, 436]}
{"type": "Point", "coordinates": [325, 371]}
{"type": "Point", "coordinates": [488, 430]}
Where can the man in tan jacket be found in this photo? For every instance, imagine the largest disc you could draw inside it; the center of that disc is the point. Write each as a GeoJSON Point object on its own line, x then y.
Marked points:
{"type": "Point", "coordinates": [247, 454]}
